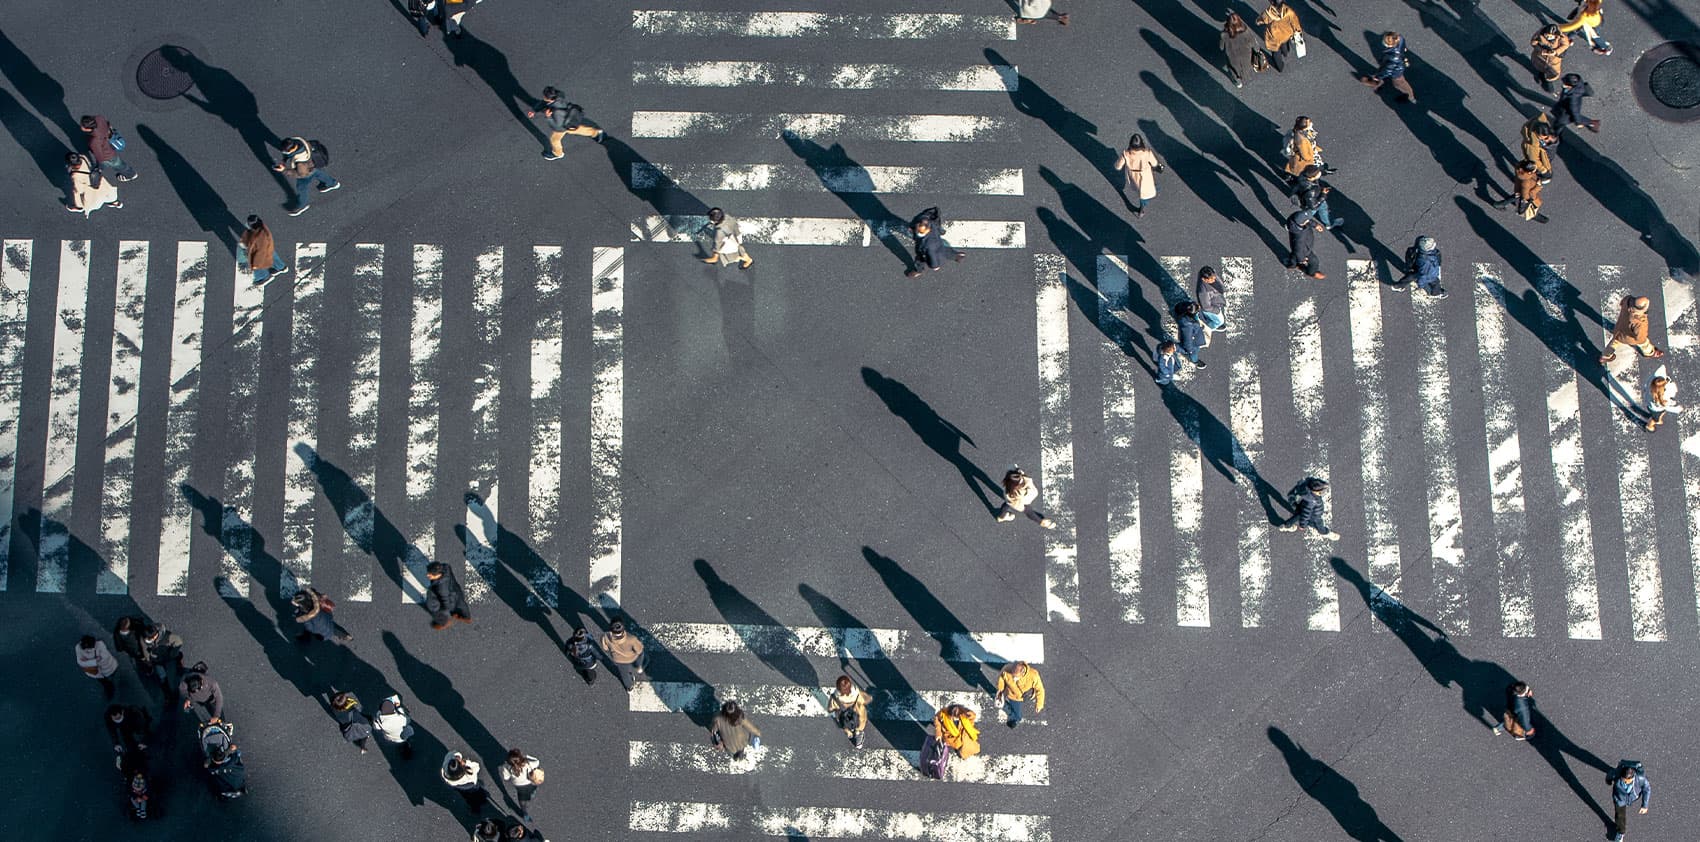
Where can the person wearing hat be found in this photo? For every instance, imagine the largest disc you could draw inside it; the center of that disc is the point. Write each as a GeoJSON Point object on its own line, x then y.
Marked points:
{"type": "Point", "coordinates": [443, 596]}
{"type": "Point", "coordinates": [1309, 506]}
{"type": "Point", "coordinates": [1567, 111]}
{"type": "Point", "coordinates": [1422, 264]}
{"type": "Point", "coordinates": [625, 652]}
{"type": "Point", "coordinates": [1631, 329]}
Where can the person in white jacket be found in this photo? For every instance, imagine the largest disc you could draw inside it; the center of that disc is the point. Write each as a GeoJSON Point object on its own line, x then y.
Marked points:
{"type": "Point", "coordinates": [524, 772]}
{"type": "Point", "coordinates": [461, 772]}
{"type": "Point", "coordinates": [394, 726]}
{"type": "Point", "coordinates": [97, 662]}
{"type": "Point", "coordinates": [1661, 398]}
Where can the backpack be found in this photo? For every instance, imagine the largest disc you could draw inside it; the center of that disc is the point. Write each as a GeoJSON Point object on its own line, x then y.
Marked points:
{"type": "Point", "coordinates": [935, 758]}
{"type": "Point", "coordinates": [1411, 260]}
{"type": "Point", "coordinates": [1287, 145]}
{"type": "Point", "coordinates": [116, 139]}
{"type": "Point", "coordinates": [320, 156]}
{"type": "Point", "coordinates": [1628, 766]}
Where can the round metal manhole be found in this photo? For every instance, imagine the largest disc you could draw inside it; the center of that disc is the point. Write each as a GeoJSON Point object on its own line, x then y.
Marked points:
{"type": "Point", "coordinates": [1666, 81]}
{"type": "Point", "coordinates": [160, 74]}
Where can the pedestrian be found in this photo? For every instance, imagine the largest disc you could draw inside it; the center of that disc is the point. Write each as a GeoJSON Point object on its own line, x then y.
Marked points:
{"type": "Point", "coordinates": [1301, 241]}
{"type": "Point", "coordinates": [1189, 331]}
{"type": "Point", "coordinates": [1141, 167]}
{"type": "Point", "coordinates": [1033, 11]}
{"type": "Point", "coordinates": [1631, 329]}
{"type": "Point", "coordinates": [954, 727]}
{"type": "Point", "coordinates": [453, 12]}
{"type": "Point", "coordinates": [1422, 264]}
{"type": "Point", "coordinates": [1282, 35]}
{"type": "Point", "coordinates": [1308, 500]}
{"type": "Point", "coordinates": [581, 653]}
{"type": "Point", "coordinates": [1587, 18]}
{"type": "Point", "coordinates": [259, 252]}
{"type": "Point", "coordinates": [525, 773]}
{"type": "Point", "coordinates": [91, 189]}
{"type": "Point", "coordinates": [1240, 46]}
{"type": "Point", "coordinates": [1661, 398]}
{"type": "Point", "coordinates": [1311, 195]}
{"type": "Point", "coordinates": [165, 654]}
{"type": "Point", "coordinates": [1167, 361]}
{"type": "Point", "coordinates": [1015, 681]}
{"type": "Point", "coordinates": [520, 831]}
{"type": "Point", "coordinates": [930, 248]}
{"type": "Point", "coordinates": [96, 661]}
{"type": "Point", "coordinates": [461, 773]}
{"type": "Point", "coordinates": [1526, 193]}
{"type": "Point", "coordinates": [104, 145]}
{"type": "Point", "coordinates": [1519, 715]}
{"type": "Point", "coordinates": [197, 688]}
{"type": "Point", "coordinates": [848, 705]}
{"type": "Point", "coordinates": [733, 732]}
{"type": "Point", "coordinates": [313, 612]}
{"type": "Point", "coordinates": [1546, 55]}
{"type": "Point", "coordinates": [305, 160]}
{"type": "Point", "coordinates": [1301, 150]}
{"type": "Point", "coordinates": [394, 725]}
{"type": "Point", "coordinates": [728, 242]}
{"type": "Point", "coordinates": [1567, 111]}
{"type": "Point", "coordinates": [1628, 786]}
{"type": "Point", "coordinates": [443, 596]}
{"type": "Point", "coordinates": [1539, 136]}
{"type": "Point", "coordinates": [127, 640]}
{"type": "Point", "coordinates": [1211, 294]}
{"type": "Point", "coordinates": [1019, 494]}
{"type": "Point", "coordinates": [129, 727]}
{"type": "Point", "coordinates": [351, 719]}
{"type": "Point", "coordinates": [1392, 67]}
{"type": "Point", "coordinates": [625, 653]}
{"type": "Point", "coordinates": [490, 830]}
{"type": "Point", "coordinates": [565, 118]}
{"type": "Point", "coordinates": [422, 11]}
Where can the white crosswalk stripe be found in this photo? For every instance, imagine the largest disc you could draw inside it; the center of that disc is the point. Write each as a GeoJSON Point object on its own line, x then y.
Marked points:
{"type": "Point", "coordinates": [1304, 330]}
{"type": "Point", "coordinates": [821, 25]}
{"type": "Point", "coordinates": [1121, 430]}
{"type": "Point", "coordinates": [836, 822]}
{"type": "Point", "coordinates": [1564, 429]}
{"type": "Point", "coordinates": [235, 533]}
{"type": "Point", "coordinates": [607, 422]}
{"type": "Point", "coordinates": [1364, 300]}
{"type": "Point", "coordinates": [1505, 464]}
{"type": "Point", "coordinates": [14, 317]}
{"type": "Point", "coordinates": [548, 364]}
{"type": "Point", "coordinates": [300, 487]}
{"type": "Point", "coordinates": [856, 179]}
{"type": "Point", "coordinates": [828, 231]}
{"type": "Point", "coordinates": [1445, 512]}
{"type": "Point", "coordinates": [63, 411]}
{"type": "Point", "coordinates": [426, 335]}
{"type": "Point", "coordinates": [483, 513]}
{"type": "Point", "coordinates": [359, 522]}
{"type": "Point", "coordinates": [845, 77]}
{"type": "Point", "coordinates": [123, 396]}
{"type": "Point", "coordinates": [1682, 327]}
{"type": "Point", "coordinates": [1245, 412]}
{"type": "Point", "coordinates": [1056, 439]}
{"type": "Point", "coordinates": [862, 644]}
{"type": "Point", "coordinates": [189, 296]}
{"type": "Point", "coordinates": [919, 128]}
{"type": "Point", "coordinates": [864, 765]}
{"type": "Point", "coordinates": [1635, 485]}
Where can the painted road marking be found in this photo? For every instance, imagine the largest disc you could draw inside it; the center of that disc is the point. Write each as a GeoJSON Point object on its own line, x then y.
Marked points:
{"type": "Point", "coordinates": [1245, 415]}
{"type": "Point", "coordinates": [236, 534]}
{"type": "Point", "coordinates": [837, 822]}
{"type": "Point", "coordinates": [122, 400]}
{"type": "Point", "coordinates": [1056, 440]}
{"type": "Point", "coordinates": [1505, 463]}
{"type": "Point", "coordinates": [829, 231]}
{"type": "Point", "coordinates": [869, 764]}
{"type": "Point", "coordinates": [1682, 326]}
{"type": "Point", "coordinates": [14, 317]}
{"type": "Point", "coordinates": [997, 78]}
{"type": "Point", "coordinates": [300, 484]}
{"type": "Point", "coordinates": [65, 393]}
{"type": "Point", "coordinates": [482, 503]}
{"type": "Point", "coordinates": [1382, 537]}
{"type": "Point", "coordinates": [359, 522]}
{"type": "Point", "coordinates": [425, 364]}
{"type": "Point", "coordinates": [182, 417]}
{"type": "Point", "coordinates": [790, 700]}
{"type": "Point", "coordinates": [548, 404]}
{"type": "Point", "coordinates": [976, 181]}
{"type": "Point", "coordinates": [1564, 427]}
{"type": "Point", "coordinates": [916, 128]}
{"type": "Point", "coordinates": [1445, 512]}
{"type": "Point", "coordinates": [822, 25]}
{"type": "Point", "coordinates": [1635, 481]}
{"type": "Point", "coordinates": [1121, 430]}
{"type": "Point", "coordinates": [1305, 335]}
{"type": "Point", "coordinates": [995, 648]}
{"type": "Point", "coordinates": [607, 422]}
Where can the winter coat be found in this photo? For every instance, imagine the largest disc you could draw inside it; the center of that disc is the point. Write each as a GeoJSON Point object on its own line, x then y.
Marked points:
{"type": "Point", "coordinates": [100, 141]}
{"type": "Point", "coordinates": [1034, 9]}
{"type": "Point", "coordinates": [734, 737]}
{"type": "Point", "coordinates": [444, 595]}
{"type": "Point", "coordinates": [1392, 61]}
{"type": "Point", "coordinates": [623, 651]}
{"type": "Point", "coordinates": [563, 115]}
{"type": "Point", "coordinates": [131, 734]}
{"type": "Point", "coordinates": [521, 776]}
{"type": "Point", "coordinates": [1569, 103]}
{"type": "Point", "coordinates": [131, 643]}
{"type": "Point", "coordinates": [855, 705]}
{"type": "Point", "coordinates": [1301, 235]}
{"type": "Point", "coordinates": [468, 778]}
{"type": "Point", "coordinates": [1624, 795]}
{"type": "Point", "coordinates": [1522, 710]}
{"type": "Point", "coordinates": [210, 696]}
{"type": "Point", "coordinates": [1140, 168]}
{"type": "Point", "coordinates": [1528, 187]}
{"type": "Point", "coordinates": [582, 653]}
{"type": "Point", "coordinates": [1280, 24]}
{"type": "Point", "coordinates": [1308, 194]}
{"type": "Point", "coordinates": [1533, 150]}
{"type": "Point", "coordinates": [1016, 689]}
{"type": "Point", "coordinates": [351, 720]}
{"type": "Point", "coordinates": [930, 248]}
{"type": "Point", "coordinates": [1547, 55]}
{"type": "Point", "coordinates": [1631, 327]}
{"type": "Point", "coordinates": [300, 162]}
{"type": "Point", "coordinates": [1022, 495]}
{"type": "Point", "coordinates": [1669, 404]}
{"type": "Point", "coordinates": [727, 239]}
{"type": "Point", "coordinates": [1239, 49]}
{"type": "Point", "coordinates": [1211, 297]}
{"type": "Point", "coordinates": [261, 251]}
{"type": "Point", "coordinates": [1309, 507]}
{"type": "Point", "coordinates": [957, 732]}
{"type": "Point", "coordinates": [317, 619]}
{"type": "Point", "coordinates": [165, 649]}
{"type": "Point", "coordinates": [85, 195]}
{"type": "Point", "coordinates": [1305, 152]}
{"type": "Point", "coordinates": [96, 662]}
{"type": "Point", "coordinates": [1167, 365]}
{"type": "Point", "coordinates": [1422, 266]}
{"type": "Point", "coordinates": [394, 727]}
{"type": "Point", "coordinates": [1191, 335]}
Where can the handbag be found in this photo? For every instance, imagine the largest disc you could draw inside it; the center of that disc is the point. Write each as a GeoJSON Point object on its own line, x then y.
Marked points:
{"type": "Point", "coordinates": [1298, 45]}
{"type": "Point", "coordinates": [116, 139]}
{"type": "Point", "coordinates": [1259, 61]}
{"type": "Point", "coordinates": [1528, 210]}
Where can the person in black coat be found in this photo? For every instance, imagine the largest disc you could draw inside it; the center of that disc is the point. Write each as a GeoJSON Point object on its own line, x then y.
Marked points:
{"type": "Point", "coordinates": [1312, 196]}
{"type": "Point", "coordinates": [1301, 238]}
{"type": "Point", "coordinates": [443, 597]}
{"type": "Point", "coordinates": [1567, 111]}
{"type": "Point", "coordinates": [1190, 331]}
{"type": "Point", "coordinates": [127, 639]}
{"type": "Point", "coordinates": [1309, 508]}
{"type": "Point", "coordinates": [129, 727]}
{"type": "Point", "coordinates": [1519, 711]}
{"type": "Point", "coordinates": [165, 655]}
{"type": "Point", "coordinates": [931, 250]}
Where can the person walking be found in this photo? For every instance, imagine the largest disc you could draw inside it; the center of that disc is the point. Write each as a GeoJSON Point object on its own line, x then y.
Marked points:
{"type": "Point", "coordinates": [1240, 46]}
{"type": "Point", "coordinates": [1033, 11]}
{"type": "Point", "coordinates": [490, 830]}
{"type": "Point", "coordinates": [91, 189]}
{"type": "Point", "coordinates": [127, 640]}
{"type": "Point", "coordinates": [165, 655]}
{"type": "Point", "coordinates": [1631, 329]}
{"type": "Point", "coordinates": [1392, 68]}
{"type": "Point", "coordinates": [954, 727]}
{"type": "Point", "coordinates": [1211, 295]}
{"type": "Point", "coordinates": [259, 252]}
{"type": "Point", "coordinates": [1661, 398]}
{"type": "Point", "coordinates": [313, 612]}
{"type": "Point", "coordinates": [1301, 242]}
{"type": "Point", "coordinates": [518, 832]}
{"type": "Point", "coordinates": [565, 118]}
{"type": "Point", "coordinates": [421, 11]}
{"type": "Point", "coordinates": [443, 596]}
{"type": "Point", "coordinates": [525, 774]}
{"type": "Point", "coordinates": [1301, 150]}
{"type": "Point", "coordinates": [197, 688]}
{"type": "Point", "coordinates": [1526, 192]}
{"type": "Point", "coordinates": [1015, 681]}
{"type": "Point", "coordinates": [96, 662]}
{"type": "Point", "coordinates": [351, 719]}
{"type": "Point", "coordinates": [625, 653]}
{"type": "Point", "coordinates": [1019, 495]}
{"type": "Point", "coordinates": [1567, 111]}
{"type": "Point", "coordinates": [1422, 264]}
{"type": "Point", "coordinates": [582, 654]}
{"type": "Point", "coordinates": [1166, 359]}
{"type": "Point", "coordinates": [1311, 195]}
{"type": "Point", "coordinates": [1587, 18]}
{"type": "Point", "coordinates": [1539, 136]}
{"type": "Point", "coordinates": [1628, 786]}
{"type": "Point", "coordinates": [728, 241]}
{"type": "Point", "coordinates": [1519, 715]}
{"type": "Point", "coordinates": [1140, 166]}
{"type": "Point", "coordinates": [394, 725]}
{"type": "Point", "coordinates": [129, 727]}
{"type": "Point", "coordinates": [931, 250]}
{"type": "Point", "coordinates": [104, 146]}
{"type": "Point", "coordinates": [1282, 35]}
{"type": "Point", "coordinates": [733, 732]}
{"type": "Point", "coordinates": [848, 706]}
{"type": "Point", "coordinates": [305, 160]}
{"type": "Point", "coordinates": [453, 12]}
{"type": "Point", "coordinates": [1190, 332]}
{"type": "Point", "coordinates": [1309, 501]}
{"type": "Point", "coordinates": [461, 773]}
{"type": "Point", "coordinates": [1546, 55]}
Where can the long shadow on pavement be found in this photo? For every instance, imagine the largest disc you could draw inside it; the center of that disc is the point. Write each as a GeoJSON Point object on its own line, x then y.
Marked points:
{"type": "Point", "coordinates": [877, 673]}
{"type": "Point", "coordinates": [225, 97]}
{"type": "Point", "coordinates": [1334, 791]}
{"type": "Point", "coordinates": [830, 164]}
{"type": "Point", "coordinates": [738, 610]}
{"type": "Point", "coordinates": [203, 202]}
{"type": "Point", "coordinates": [931, 614]}
{"type": "Point", "coordinates": [935, 432]}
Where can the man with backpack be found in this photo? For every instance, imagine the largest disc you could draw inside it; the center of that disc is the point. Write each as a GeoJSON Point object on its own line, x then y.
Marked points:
{"type": "Point", "coordinates": [104, 146]}
{"type": "Point", "coordinates": [931, 250]}
{"type": "Point", "coordinates": [1627, 786]}
{"type": "Point", "coordinates": [1422, 264]}
{"type": "Point", "coordinates": [565, 118]}
{"type": "Point", "coordinates": [305, 160]}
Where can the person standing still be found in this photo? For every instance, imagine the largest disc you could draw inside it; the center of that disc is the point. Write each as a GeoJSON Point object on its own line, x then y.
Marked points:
{"type": "Point", "coordinates": [1661, 398]}
{"type": "Point", "coordinates": [1212, 297]}
{"type": "Point", "coordinates": [1280, 26]}
{"type": "Point", "coordinates": [97, 662]}
{"type": "Point", "coordinates": [1628, 785]}
{"type": "Point", "coordinates": [625, 653]}
{"type": "Point", "coordinates": [302, 161]}
{"type": "Point", "coordinates": [565, 118]}
{"type": "Point", "coordinates": [104, 145]}
{"type": "Point", "coordinates": [130, 728]}
{"type": "Point", "coordinates": [1631, 329]}
{"type": "Point", "coordinates": [525, 774]}
{"type": "Point", "coordinates": [728, 242]}
{"type": "Point", "coordinates": [165, 654]}
{"type": "Point", "coordinates": [1538, 137]}
{"type": "Point", "coordinates": [733, 732]}
{"type": "Point", "coordinates": [127, 640]}
{"type": "Point", "coordinates": [1519, 715]}
{"type": "Point", "coordinates": [1309, 501]}
{"type": "Point", "coordinates": [1166, 359]}
{"type": "Point", "coordinates": [1019, 494]}
{"type": "Point", "coordinates": [1015, 681]}
{"type": "Point", "coordinates": [1392, 67]}
{"type": "Point", "coordinates": [443, 596]}
{"type": "Point", "coordinates": [1567, 111]}
{"type": "Point", "coordinates": [931, 250]}
{"type": "Point", "coordinates": [848, 706]}
{"type": "Point", "coordinates": [461, 773]}
{"type": "Point", "coordinates": [1422, 264]}
{"type": "Point", "coordinates": [1190, 332]}
{"type": "Point", "coordinates": [1140, 166]}
{"type": "Point", "coordinates": [1301, 242]}
{"type": "Point", "coordinates": [1240, 46]}
{"type": "Point", "coordinates": [91, 189]}
{"type": "Point", "coordinates": [1546, 55]}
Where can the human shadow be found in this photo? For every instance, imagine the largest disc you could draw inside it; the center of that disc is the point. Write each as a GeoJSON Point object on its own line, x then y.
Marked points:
{"type": "Point", "coordinates": [1202, 176]}
{"type": "Point", "coordinates": [1621, 194]}
{"type": "Point", "coordinates": [740, 611]}
{"type": "Point", "coordinates": [518, 595]}
{"type": "Point", "coordinates": [42, 92]}
{"type": "Point", "coordinates": [1553, 746]}
{"type": "Point", "coordinates": [1480, 42]}
{"type": "Point", "coordinates": [1112, 232]}
{"type": "Point", "coordinates": [1334, 791]}
{"type": "Point", "coordinates": [491, 66]}
{"type": "Point", "coordinates": [832, 165]}
{"type": "Point", "coordinates": [664, 665]}
{"type": "Point", "coordinates": [1199, 34]}
{"type": "Point", "coordinates": [1218, 445]}
{"type": "Point", "coordinates": [225, 97]}
{"type": "Point", "coordinates": [44, 149]}
{"type": "Point", "coordinates": [879, 673]}
{"type": "Point", "coordinates": [662, 193]}
{"type": "Point", "coordinates": [1321, 28]}
{"type": "Point", "coordinates": [935, 432]}
{"type": "Point", "coordinates": [1438, 95]}
{"type": "Point", "coordinates": [204, 202]}
{"type": "Point", "coordinates": [938, 621]}
{"type": "Point", "coordinates": [1031, 99]}
{"type": "Point", "coordinates": [430, 686]}
{"type": "Point", "coordinates": [367, 525]}
{"type": "Point", "coordinates": [1671, 22]}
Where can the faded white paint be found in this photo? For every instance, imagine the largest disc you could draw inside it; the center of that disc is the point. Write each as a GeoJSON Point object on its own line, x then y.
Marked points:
{"type": "Point", "coordinates": [678, 817]}
{"type": "Point", "coordinates": [359, 524]}
{"type": "Point", "coordinates": [122, 400]}
{"type": "Point", "coordinates": [790, 700]}
{"type": "Point", "coordinates": [871, 764]}
{"type": "Point", "coordinates": [300, 484]}
{"type": "Point", "coordinates": [1381, 536]}
{"type": "Point", "coordinates": [835, 822]}
{"type": "Point", "coordinates": [1635, 483]}
{"type": "Point", "coordinates": [1056, 439]}
{"type": "Point", "coordinates": [14, 316]}
{"type": "Point", "coordinates": [1305, 339]}
{"type": "Point", "coordinates": [847, 77]}
{"type": "Point", "coordinates": [828, 231]}
{"type": "Point", "coordinates": [485, 368]}
{"type": "Point", "coordinates": [1445, 511]}
{"type": "Point", "coordinates": [65, 392]}
{"type": "Point", "coordinates": [850, 179]}
{"type": "Point", "coordinates": [915, 128]}
{"type": "Point", "coordinates": [1564, 427]}
{"type": "Point", "coordinates": [822, 25]}
{"type": "Point", "coordinates": [182, 417]}
{"type": "Point", "coordinates": [243, 351]}
{"type": "Point", "coordinates": [1245, 420]}
{"type": "Point", "coordinates": [1505, 464]}
{"type": "Point", "coordinates": [425, 367]}
{"type": "Point", "coordinates": [861, 644]}
{"type": "Point", "coordinates": [547, 406]}
{"type": "Point", "coordinates": [1682, 326]}
{"type": "Point", "coordinates": [1121, 430]}
{"type": "Point", "coordinates": [1186, 489]}
{"type": "Point", "coordinates": [607, 422]}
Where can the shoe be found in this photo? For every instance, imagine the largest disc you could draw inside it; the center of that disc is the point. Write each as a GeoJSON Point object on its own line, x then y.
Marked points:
{"type": "Point", "coordinates": [463, 618]}
{"type": "Point", "coordinates": [1138, 211]}
{"type": "Point", "coordinates": [439, 626]}
{"type": "Point", "coordinates": [362, 750]}
{"type": "Point", "coordinates": [1048, 523]}
{"type": "Point", "coordinates": [323, 189]}
{"type": "Point", "coordinates": [1318, 276]}
{"type": "Point", "coordinates": [1401, 286]}
{"type": "Point", "coordinates": [1288, 528]}
{"type": "Point", "coordinates": [115, 204]}
{"type": "Point", "coordinates": [284, 271]}
{"type": "Point", "coordinates": [1498, 730]}
{"type": "Point", "coordinates": [746, 263]}
{"type": "Point", "coordinates": [1063, 19]}
{"type": "Point", "coordinates": [1338, 223]}
{"type": "Point", "coordinates": [1521, 739]}
{"type": "Point", "coordinates": [638, 670]}
{"type": "Point", "coordinates": [857, 740]}
{"type": "Point", "coordinates": [1006, 517]}
{"type": "Point", "coordinates": [1238, 84]}
{"type": "Point", "coordinates": [1593, 126]}
{"type": "Point", "coordinates": [1328, 170]}
{"type": "Point", "coordinates": [1332, 536]}
{"type": "Point", "coordinates": [73, 210]}
{"type": "Point", "coordinates": [715, 258]}
{"type": "Point", "coordinates": [1014, 722]}
{"type": "Point", "coordinates": [961, 256]}
{"type": "Point", "coordinates": [125, 179]}
{"type": "Point", "coordinates": [300, 210]}
{"type": "Point", "coordinates": [1025, 20]}
{"type": "Point", "coordinates": [1438, 294]}
{"type": "Point", "coordinates": [1202, 364]}
{"type": "Point", "coordinates": [551, 156]}
{"type": "Point", "coordinates": [912, 273]}
{"type": "Point", "coordinates": [346, 637]}
{"type": "Point", "coordinates": [1657, 353]}
{"type": "Point", "coordinates": [601, 136]}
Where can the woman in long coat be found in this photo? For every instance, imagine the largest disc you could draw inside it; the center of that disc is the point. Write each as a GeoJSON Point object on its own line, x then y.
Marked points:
{"type": "Point", "coordinates": [1240, 45]}
{"type": "Point", "coordinates": [1140, 165]}
{"type": "Point", "coordinates": [86, 198]}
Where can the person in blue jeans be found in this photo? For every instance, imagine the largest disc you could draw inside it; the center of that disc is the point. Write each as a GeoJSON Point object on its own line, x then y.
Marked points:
{"type": "Point", "coordinates": [1628, 786]}
{"type": "Point", "coordinates": [1422, 264]}
{"type": "Point", "coordinates": [1167, 361]}
{"type": "Point", "coordinates": [259, 250]}
{"type": "Point", "coordinates": [1191, 331]}
{"type": "Point", "coordinates": [298, 162]}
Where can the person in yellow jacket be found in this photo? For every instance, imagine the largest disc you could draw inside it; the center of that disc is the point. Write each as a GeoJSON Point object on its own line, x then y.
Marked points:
{"type": "Point", "coordinates": [1587, 18]}
{"type": "Point", "coordinates": [1014, 683]}
{"type": "Point", "coordinates": [848, 705]}
{"type": "Point", "coordinates": [1280, 23]}
{"type": "Point", "coordinates": [954, 726]}
{"type": "Point", "coordinates": [1539, 136]}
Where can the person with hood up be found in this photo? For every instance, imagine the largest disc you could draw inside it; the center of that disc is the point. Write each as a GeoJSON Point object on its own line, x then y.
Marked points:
{"type": "Point", "coordinates": [931, 250]}
{"type": "Point", "coordinates": [96, 662]}
{"type": "Point", "coordinates": [1422, 264]}
{"type": "Point", "coordinates": [313, 612]}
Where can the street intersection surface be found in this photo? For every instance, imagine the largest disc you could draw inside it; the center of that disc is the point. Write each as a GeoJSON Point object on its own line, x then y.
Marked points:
{"type": "Point", "coordinates": [778, 475]}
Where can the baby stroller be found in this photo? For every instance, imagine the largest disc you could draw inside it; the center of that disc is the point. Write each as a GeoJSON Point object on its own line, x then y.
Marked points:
{"type": "Point", "coordinates": [133, 768]}
{"type": "Point", "coordinates": [223, 760]}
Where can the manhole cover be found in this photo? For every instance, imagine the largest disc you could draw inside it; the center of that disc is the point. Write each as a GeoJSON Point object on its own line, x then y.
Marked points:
{"type": "Point", "coordinates": [1675, 81]}
{"type": "Point", "coordinates": [160, 76]}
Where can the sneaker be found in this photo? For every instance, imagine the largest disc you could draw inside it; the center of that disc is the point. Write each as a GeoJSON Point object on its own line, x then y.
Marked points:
{"type": "Point", "coordinates": [1521, 739]}
{"type": "Point", "coordinates": [601, 136]}
{"type": "Point", "coordinates": [324, 189]}
{"type": "Point", "coordinates": [300, 210]}
{"type": "Point", "coordinates": [115, 204]}
{"type": "Point", "coordinates": [1289, 528]}
{"type": "Point", "coordinates": [125, 179]}
{"type": "Point", "coordinates": [1498, 730]}
{"type": "Point", "coordinates": [439, 626]}
{"type": "Point", "coordinates": [1607, 358]}
{"type": "Point", "coordinates": [463, 618]}
{"type": "Point", "coordinates": [1657, 353]}
{"type": "Point", "coordinates": [1063, 19]}
{"type": "Point", "coordinates": [1400, 287]}
{"type": "Point", "coordinates": [746, 263]}
{"type": "Point", "coordinates": [1006, 517]}
{"type": "Point", "coordinates": [961, 256]}
{"type": "Point", "coordinates": [1332, 536]}
{"type": "Point", "coordinates": [284, 271]}
{"type": "Point", "coordinates": [1438, 294]}
{"type": "Point", "coordinates": [551, 156]}
{"type": "Point", "coordinates": [912, 273]}
{"type": "Point", "coordinates": [73, 210]}
{"type": "Point", "coordinates": [1318, 276]}
{"type": "Point", "coordinates": [858, 740]}
{"type": "Point", "coordinates": [1202, 364]}
{"type": "Point", "coordinates": [1238, 84]}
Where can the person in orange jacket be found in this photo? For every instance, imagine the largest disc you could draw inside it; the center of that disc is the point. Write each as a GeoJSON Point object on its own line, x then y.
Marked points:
{"type": "Point", "coordinates": [1014, 683]}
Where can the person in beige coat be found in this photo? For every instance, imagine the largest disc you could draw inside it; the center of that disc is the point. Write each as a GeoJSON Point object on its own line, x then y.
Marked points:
{"type": "Point", "coordinates": [1631, 329]}
{"type": "Point", "coordinates": [733, 732]}
{"type": "Point", "coordinates": [87, 196]}
{"type": "Point", "coordinates": [1546, 56]}
{"type": "Point", "coordinates": [1019, 495]}
{"type": "Point", "coordinates": [1140, 167]}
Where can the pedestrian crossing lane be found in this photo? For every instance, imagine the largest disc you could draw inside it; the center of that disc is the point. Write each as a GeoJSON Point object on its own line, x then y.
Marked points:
{"type": "Point", "coordinates": [1682, 326]}
{"type": "Point", "coordinates": [301, 486]}
{"type": "Point", "coordinates": [182, 416]}
{"type": "Point", "coordinates": [15, 262]}
{"type": "Point", "coordinates": [359, 522]}
{"type": "Point", "coordinates": [482, 513]}
{"type": "Point", "coordinates": [1364, 298]}
{"type": "Point", "coordinates": [1245, 418]}
{"type": "Point", "coordinates": [1121, 431]}
{"type": "Point", "coordinates": [122, 403]}
{"type": "Point", "coordinates": [1635, 484]}
{"type": "Point", "coordinates": [64, 391]}
{"type": "Point", "coordinates": [1445, 512]}
{"type": "Point", "coordinates": [548, 365]}
{"type": "Point", "coordinates": [424, 368]}
{"type": "Point", "coordinates": [1304, 331]}
{"type": "Point", "coordinates": [1504, 458]}
{"type": "Point", "coordinates": [236, 534]}
{"type": "Point", "coordinates": [1564, 428]}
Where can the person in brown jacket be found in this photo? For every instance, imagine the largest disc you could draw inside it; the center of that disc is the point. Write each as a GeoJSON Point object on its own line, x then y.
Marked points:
{"type": "Point", "coordinates": [1547, 56]}
{"type": "Point", "coordinates": [1631, 329]}
{"type": "Point", "coordinates": [1527, 197]}
{"type": "Point", "coordinates": [848, 705]}
{"type": "Point", "coordinates": [733, 732]}
{"type": "Point", "coordinates": [1539, 136]}
{"type": "Point", "coordinates": [86, 195]}
{"type": "Point", "coordinates": [1280, 23]}
{"type": "Point", "coordinates": [625, 652]}
{"type": "Point", "coordinates": [259, 250]}
{"type": "Point", "coordinates": [1019, 495]}
{"type": "Point", "coordinates": [1302, 150]}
